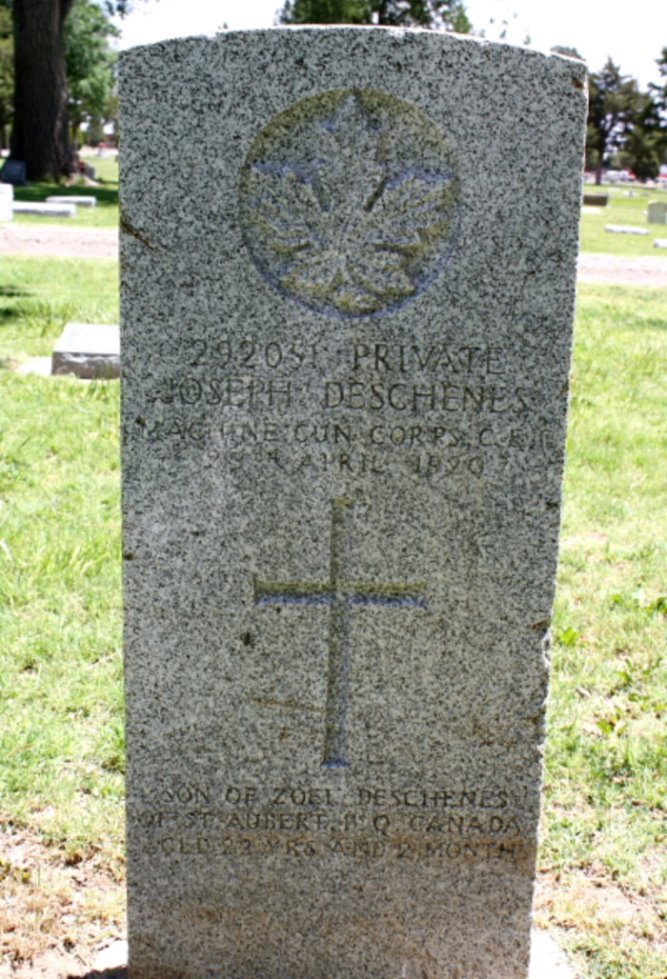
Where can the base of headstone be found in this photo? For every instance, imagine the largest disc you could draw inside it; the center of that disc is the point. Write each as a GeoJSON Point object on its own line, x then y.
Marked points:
{"type": "Point", "coordinates": [114, 956]}
{"type": "Point", "coordinates": [547, 959]}
{"type": "Point", "coordinates": [88, 350]}
{"type": "Point", "coordinates": [660, 243]}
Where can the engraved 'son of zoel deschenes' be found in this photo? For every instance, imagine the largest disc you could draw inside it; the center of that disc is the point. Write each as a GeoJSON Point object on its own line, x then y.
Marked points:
{"type": "Point", "coordinates": [348, 202]}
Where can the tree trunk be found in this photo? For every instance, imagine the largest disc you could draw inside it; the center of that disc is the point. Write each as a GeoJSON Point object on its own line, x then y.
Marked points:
{"type": "Point", "coordinates": [41, 133]}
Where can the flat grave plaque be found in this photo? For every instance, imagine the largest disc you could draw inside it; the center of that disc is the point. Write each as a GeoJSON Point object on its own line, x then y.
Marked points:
{"type": "Point", "coordinates": [88, 350]}
{"type": "Point", "coordinates": [44, 209]}
{"type": "Point", "coordinates": [79, 200]}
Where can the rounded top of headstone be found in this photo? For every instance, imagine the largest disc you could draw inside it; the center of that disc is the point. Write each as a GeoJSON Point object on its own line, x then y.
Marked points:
{"type": "Point", "coordinates": [348, 202]}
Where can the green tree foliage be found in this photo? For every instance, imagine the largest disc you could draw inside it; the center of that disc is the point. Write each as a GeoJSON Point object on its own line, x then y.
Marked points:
{"type": "Point", "coordinates": [659, 92]}
{"type": "Point", "coordinates": [89, 63]}
{"type": "Point", "coordinates": [645, 144]}
{"type": "Point", "coordinates": [625, 123]}
{"type": "Point", "coordinates": [6, 73]}
{"type": "Point", "coordinates": [40, 132]}
{"type": "Point", "coordinates": [443, 14]}
{"type": "Point", "coordinates": [614, 104]}
{"type": "Point", "coordinates": [324, 12]}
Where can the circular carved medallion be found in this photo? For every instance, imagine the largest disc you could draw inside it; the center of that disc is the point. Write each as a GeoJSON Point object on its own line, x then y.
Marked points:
{"type": "Point", "coordinates": [348, 202]}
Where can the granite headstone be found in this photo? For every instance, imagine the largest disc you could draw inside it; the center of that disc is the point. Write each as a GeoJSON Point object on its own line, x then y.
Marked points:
{"type": "Point", "coordinates": [348, 267]}
{"type": "Point", "coordinates": [657, 212]}
{"type": "Point", "coordinates": [14, 172]}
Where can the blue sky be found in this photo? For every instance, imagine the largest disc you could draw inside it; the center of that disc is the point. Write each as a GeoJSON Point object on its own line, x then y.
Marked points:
{"type": "Point", "coordinates": [632, 33]}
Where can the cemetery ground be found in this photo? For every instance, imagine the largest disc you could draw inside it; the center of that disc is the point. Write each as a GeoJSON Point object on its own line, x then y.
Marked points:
{"type": "Point", "coordinates": [104, 188]}
{"type": "Point", "coordinates": [601, 863]}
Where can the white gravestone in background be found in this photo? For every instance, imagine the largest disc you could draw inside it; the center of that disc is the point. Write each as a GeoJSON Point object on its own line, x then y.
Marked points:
{"type": "Point", "coordinates": [6, 202]}
{"type": "Point", "coordinates": [348, 261]}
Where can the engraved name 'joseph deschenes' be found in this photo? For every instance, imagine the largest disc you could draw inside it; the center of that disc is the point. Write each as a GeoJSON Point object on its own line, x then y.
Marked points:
{"type": "Point", "coordinates": [348, 202]}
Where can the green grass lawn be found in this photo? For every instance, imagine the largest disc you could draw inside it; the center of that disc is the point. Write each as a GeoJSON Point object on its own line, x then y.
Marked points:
{"type": "Point", "coordinates": [59, 561]}
{"type": "Point", "coordinates": [61, 740]}
{"type": "Point", "coordinates": [39, 295]}
{"type": "Point", "coordinates": [606, 766]}
{"type": "Point", "coordinates": [627, 206]}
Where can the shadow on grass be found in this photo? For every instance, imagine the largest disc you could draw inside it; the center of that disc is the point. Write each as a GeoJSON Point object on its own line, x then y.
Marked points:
{"type": "Point", "coordinates": [7, 315]}
{"type": "Point", "coordinates": [11, 311]}
{"type": "Point", "coordinates": [107, 196]}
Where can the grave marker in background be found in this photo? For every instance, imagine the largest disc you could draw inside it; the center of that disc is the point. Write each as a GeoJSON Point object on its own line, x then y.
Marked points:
{"type": "Point", "coordinates": [6, 202]}
{"type": "Point", "coordinates": [657, 212]}
{"type": "Point", "coordinates": [13, 172]}
{"type": "Point", "coordinates": [596, 200]}
{"type": "Point", "coordinates": [79, 200]}
{"type": "Point", "coordinates": [345, 383]}
{"type": "Point", "coordinates": [45, 209]}
{"type": "Point", "coordinates": [89, 350]}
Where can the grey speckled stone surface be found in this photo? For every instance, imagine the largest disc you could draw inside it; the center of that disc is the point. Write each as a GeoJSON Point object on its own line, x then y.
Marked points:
{"type": "Point", "coordinates": [348, 265]}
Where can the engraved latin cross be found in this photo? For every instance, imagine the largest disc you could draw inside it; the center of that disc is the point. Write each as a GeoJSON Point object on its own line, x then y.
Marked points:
{"type": "Point", "coordinates": [340, 594]}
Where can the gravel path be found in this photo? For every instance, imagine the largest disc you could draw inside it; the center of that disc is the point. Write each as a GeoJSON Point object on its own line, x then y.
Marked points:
{"type": "Point", "coordinates": [51, 239]}
{"type": "Point", "coordinates": [54, 240]}
{"type": "Point", "coordinates": [620, 270]}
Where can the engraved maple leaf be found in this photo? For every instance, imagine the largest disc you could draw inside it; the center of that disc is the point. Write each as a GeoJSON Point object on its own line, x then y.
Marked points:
{"type": "Point", "coordinates": [345, 232]}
